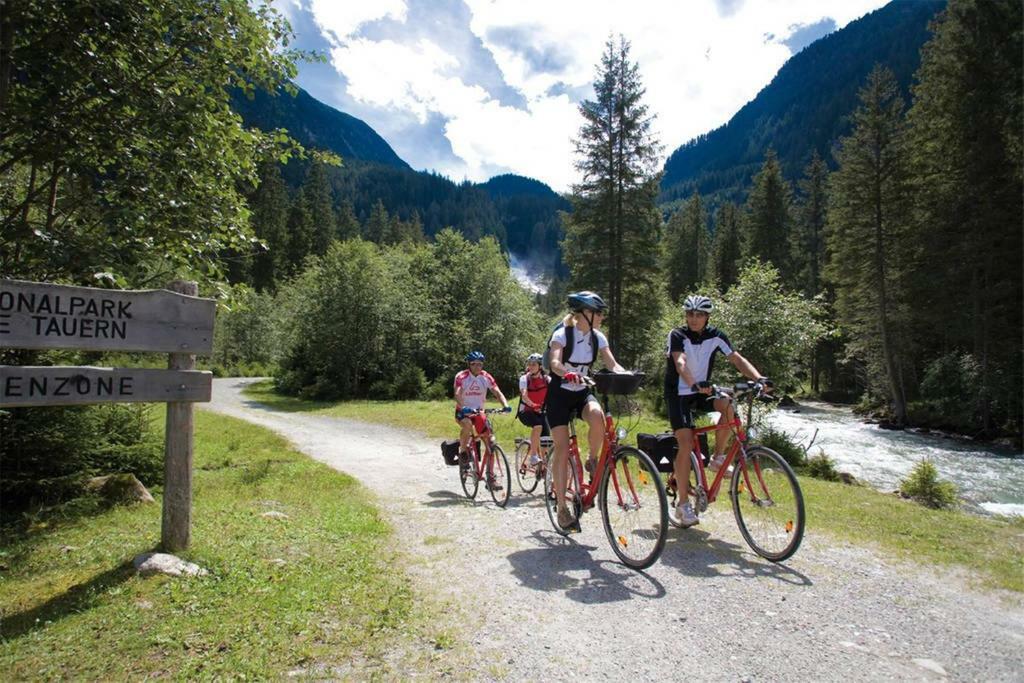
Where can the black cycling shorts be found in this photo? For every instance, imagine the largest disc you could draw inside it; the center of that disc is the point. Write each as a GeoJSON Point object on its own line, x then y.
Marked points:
{"type": "Point", "coordinates": [532, 419]}
{"type": "Point", "coordinates": [683, 409]}
{"type": "Point", "coordinates": [563, 405]}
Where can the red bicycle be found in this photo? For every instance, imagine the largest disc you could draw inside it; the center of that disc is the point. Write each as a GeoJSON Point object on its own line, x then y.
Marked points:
{"type": "Point", "coordinates": [625, 483]}
{"type": "Point", "coordinates": [766, 497]}
{"type": "Point", "coordinates": [491, 465]}
{"type": "Point", "coordinates": [527, 474]}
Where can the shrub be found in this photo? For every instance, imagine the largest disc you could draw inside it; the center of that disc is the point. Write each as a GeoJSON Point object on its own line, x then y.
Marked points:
{"type": "Point", "coordinates": [822, 467]}
{"type": "Point", "coordinates": [781, 443]}
{"type": "Point", "coordinates": [924, 486]}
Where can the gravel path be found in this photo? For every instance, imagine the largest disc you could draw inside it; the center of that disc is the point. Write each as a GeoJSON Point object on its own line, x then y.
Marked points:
{"type": "Point", "coordinates": [708, 610]}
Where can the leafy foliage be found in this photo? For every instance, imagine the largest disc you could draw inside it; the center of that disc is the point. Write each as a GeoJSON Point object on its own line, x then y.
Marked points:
{"type": "Point", "coordinates": [822, 467]}
{"type": "Point", "coordinates": [924, 486]}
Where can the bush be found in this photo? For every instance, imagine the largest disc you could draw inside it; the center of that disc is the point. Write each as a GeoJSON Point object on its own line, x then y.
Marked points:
{"type": "Point", "coordinates": [924, 486]}
{"type": "Point", "coordinates": [781, 443]}
{"type": "Point", "coordinates": [46, 454]}
{"type": "Point", "coordinates": [822, 467]}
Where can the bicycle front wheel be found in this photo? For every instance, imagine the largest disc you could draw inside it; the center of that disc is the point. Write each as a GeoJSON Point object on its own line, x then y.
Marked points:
{"type": "Point", "coordinates": [499, 478]}
{"type": "Point", "coordinates": [634, 508]}
{"type": "Point", "coordinates": [572, 494]}
{"type": "Point", "coordinates": [525, 474]}
{"type": "Point", "coordinates": [467, 473]}
{"type": "Point", "coordinates": [768, 503]}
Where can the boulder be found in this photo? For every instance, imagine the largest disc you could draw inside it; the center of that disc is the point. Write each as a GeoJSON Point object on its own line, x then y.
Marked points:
{"type": "Point", "coordinates": [164, 563]}
{"type": "Point", "coordinates": [119, 488]}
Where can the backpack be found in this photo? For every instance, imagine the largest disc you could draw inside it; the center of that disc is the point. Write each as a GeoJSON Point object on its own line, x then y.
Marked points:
{"type": "Point", "coordinates": [570, 342]}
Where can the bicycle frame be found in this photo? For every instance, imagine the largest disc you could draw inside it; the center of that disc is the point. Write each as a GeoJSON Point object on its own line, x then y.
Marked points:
{"type": "Point", "coordinates": [588, 489]}
{"type": "Point", "coordinates": [482, 460]}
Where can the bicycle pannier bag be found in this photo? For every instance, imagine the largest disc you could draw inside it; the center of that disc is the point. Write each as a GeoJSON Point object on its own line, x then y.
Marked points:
{"type": "Point", "coordinates": [450, 451]}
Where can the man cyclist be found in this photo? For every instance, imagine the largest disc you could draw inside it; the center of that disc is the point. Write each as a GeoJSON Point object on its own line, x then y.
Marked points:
{"type": "Point", "coordinates": [574, 346]}
{"type": "Point", "coordinates": [471, 387]}
{"type": "Point", "coordinates": [533, 390]}
{"type": "Point", "coordinates": [690, 356]}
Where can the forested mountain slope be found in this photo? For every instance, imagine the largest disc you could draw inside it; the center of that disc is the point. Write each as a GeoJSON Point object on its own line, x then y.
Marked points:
{"type": "Point", "coordinates": [806, 107]}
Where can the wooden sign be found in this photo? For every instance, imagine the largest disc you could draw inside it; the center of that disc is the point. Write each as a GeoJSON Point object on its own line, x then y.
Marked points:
{"type": "Point", "coordinates": [22, 386]}
{"type": "Point", "coordinates": [43, 316]}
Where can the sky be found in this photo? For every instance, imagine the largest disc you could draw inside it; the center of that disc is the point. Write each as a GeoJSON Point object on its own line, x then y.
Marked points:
{"type": "Point", "coordinates": [476, 88]}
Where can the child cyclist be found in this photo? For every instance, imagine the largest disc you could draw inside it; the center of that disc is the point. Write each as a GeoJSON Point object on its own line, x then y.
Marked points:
{"type": "Point", "coordinates": [690, 359]}
{"type": "Point", "coordinates": [574, 346]}
{"type": "Point", "coordinates": [471, 387]}
{"type": "Point", "coordinates": [533, 390]}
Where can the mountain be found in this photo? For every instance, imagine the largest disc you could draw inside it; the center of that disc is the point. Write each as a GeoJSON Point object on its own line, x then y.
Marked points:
{"type": "Point", "coordinates": [806, 107]}
{"type": "Point", "coordinates": [529, 213]}
{"type": "Point", "coordinates": [314, 124]}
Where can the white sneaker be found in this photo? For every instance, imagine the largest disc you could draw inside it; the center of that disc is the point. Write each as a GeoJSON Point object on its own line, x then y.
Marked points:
{"type": "Point", "coordinates": [685, 514]}
{"type": "Point", "coordinates": [717, 461]}
{"type": "Point", "coordinates": [535, 460]}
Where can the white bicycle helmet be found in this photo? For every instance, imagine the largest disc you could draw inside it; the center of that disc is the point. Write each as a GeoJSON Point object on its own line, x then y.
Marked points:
{"type": "Point", "coordinates": [696, 302]}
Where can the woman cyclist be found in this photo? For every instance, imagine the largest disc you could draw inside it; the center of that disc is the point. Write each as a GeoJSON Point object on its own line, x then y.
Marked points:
{"type": "Point", "coordinates": [533, 390]}
{"type": "Point", "coordinates": [574, 346]}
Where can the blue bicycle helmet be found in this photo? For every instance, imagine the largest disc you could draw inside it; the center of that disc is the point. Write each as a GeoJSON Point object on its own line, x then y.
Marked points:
{"type": "Point", "coordinates": [474, 356]}
{"type": "Point", "coordinates": [586, 301]}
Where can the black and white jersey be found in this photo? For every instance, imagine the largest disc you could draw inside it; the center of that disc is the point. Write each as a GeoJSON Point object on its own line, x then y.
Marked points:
{"type": "Point", "coordinates": [700, 349]}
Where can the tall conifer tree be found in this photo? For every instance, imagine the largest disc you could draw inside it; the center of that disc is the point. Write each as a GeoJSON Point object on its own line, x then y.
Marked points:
{"type": "Point", "coordinates": [270, 223]}
{"type": "Point", "coordinates": [868, 228]}
{"type": "Point", "coordinates": [723, 264]}
{"type": "Point", "coordinates": [317, 194]}
{"type": "Point", "coordinates": [687, 245]}
{"type": "Point", "coordinates": [767, 225]}
{"type": "Point", "coordinates": [808, 246]}
{"type": "Point", "coordinates": [611, 236]}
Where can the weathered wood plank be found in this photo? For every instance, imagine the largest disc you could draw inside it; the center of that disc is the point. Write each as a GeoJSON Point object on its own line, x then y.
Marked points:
{"type": "Point", "coordinates": [176, 525]}
{"type": "Point", "coordinates": [36, 315]}
{"type": "Point", "coordinates": [22, 386]}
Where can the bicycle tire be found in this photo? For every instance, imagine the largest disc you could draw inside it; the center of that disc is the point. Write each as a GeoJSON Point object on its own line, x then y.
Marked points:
{"type": "Point", "coordinates": [499, 474]}
{"type": "Point", "coordinates": [468, 477]}
{"type": "Point", "coordinates": [770, 521]}
{"type": "Point", "coordinates": [634, 508]}
{"type": "Point", "coordinates": [672, 500]}
{"type": "Point", "coordinates": [526, 476]}
{"type": "Point", "coordinates": [572, 493]}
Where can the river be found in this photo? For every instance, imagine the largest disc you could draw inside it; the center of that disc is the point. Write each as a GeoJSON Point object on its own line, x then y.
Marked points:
{"type": "Point", "coordinates": [989, 479]}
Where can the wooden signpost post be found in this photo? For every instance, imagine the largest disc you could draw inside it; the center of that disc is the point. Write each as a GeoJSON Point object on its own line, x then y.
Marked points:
{"type": "Point", "coordinates": [176, 321]}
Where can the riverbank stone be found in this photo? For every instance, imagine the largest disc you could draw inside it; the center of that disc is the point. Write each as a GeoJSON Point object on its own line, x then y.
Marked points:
{"type": "Point", "coordinates": [119, 489]}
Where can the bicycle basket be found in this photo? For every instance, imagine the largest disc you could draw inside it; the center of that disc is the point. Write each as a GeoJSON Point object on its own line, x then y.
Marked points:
{"type": "Point", "coordinates": [614, 384]}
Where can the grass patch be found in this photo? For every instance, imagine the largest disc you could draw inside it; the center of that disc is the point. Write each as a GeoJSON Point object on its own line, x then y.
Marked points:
{"type": "Point", "coordinates": [316, 590]}
{"type": "Point", "coordinates": [991, 548]}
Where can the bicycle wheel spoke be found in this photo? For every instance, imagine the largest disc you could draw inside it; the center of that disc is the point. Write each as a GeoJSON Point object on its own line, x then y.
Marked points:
{"type": "Point", "coordinates": [526, 474]}
{"type": "Point", "coordinates": [768, 504]}
{"type": "Point", "coordinates": [499, 479]}
{"type": "Point", "coordinates": [634, 509]}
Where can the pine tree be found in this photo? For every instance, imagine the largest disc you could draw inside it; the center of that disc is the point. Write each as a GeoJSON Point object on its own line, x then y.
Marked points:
{"type": "Point", "coordinates": [317, 195]}
{"type": "Point", "coordinates": [300, 236]}
{"type": "Point", "coordinates": [766, 235]}
{"type": "Point", "coordinates": [966, 131]}
{"type": "Point", "coordinates": [687, 245]}
{"type": "Point", "coordinates": [868, 218]}
{"type": "Point", "coordinates": [611, 237]}
{"type": "Point", "coordinates": [269, 205]}
{"type": "Point", "coordinates": [808, 239]}
{"type": "Point", "coordinates": [378, 224]}
{"type": "Point", "coordinates": [348, 225]}
{"type": "Point", "coordinates": [724, 263]}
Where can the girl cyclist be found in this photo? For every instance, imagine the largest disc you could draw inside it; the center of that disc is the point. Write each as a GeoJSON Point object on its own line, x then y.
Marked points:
{"type": "Point", "coordinates": [574, 346]}
{"type": "Point", "coordinates": [533, 390]}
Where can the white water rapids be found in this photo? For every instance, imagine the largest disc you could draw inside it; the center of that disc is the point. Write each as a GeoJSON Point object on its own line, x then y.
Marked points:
{"type": "Point", "coordinates": [989, 479]}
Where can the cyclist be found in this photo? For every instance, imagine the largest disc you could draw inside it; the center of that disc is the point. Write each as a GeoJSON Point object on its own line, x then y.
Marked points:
{"type": "Point", "coordinates": [471, 387]}
{"type": "Point", "coordinates": [533, 389]}
{"type": "Point", "coordinates": [573, 348]}
{"type": "Point", "coordinates": [690, 357]}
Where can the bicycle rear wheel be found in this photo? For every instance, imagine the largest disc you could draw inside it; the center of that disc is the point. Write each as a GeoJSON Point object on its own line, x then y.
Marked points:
{"type": "Point", "coordinates": [499, 478]}
{"type": "Point", "coordinates": [572, 494]}
{"type": "Point", "coordinates": [634, 508]}
{"type": "Point", "coordinates": [525, 475]}
{"type": "Point", "coordinates": [470, 480]}
{"type": "Point", "coordinates": [768, 503]}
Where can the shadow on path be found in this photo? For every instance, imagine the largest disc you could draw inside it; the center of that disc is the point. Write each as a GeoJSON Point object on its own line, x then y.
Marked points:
{"type": "Point", "coordinates": [698, 553]}
{"type": "Point", "coordinates": [563, 564]}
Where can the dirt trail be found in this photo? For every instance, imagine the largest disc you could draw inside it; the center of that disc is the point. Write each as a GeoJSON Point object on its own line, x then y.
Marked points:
{"type": "Point", "coordinates": [709, 610]}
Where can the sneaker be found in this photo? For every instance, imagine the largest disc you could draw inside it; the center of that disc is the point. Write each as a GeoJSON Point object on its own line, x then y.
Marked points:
{"type": "Point", "coordinates": [717, 461]}
{"type": "Point", "coordinates": [685, 514]}
{"type": "Point", "coordinates": [566, 519]}
{"type": "Point", "coordinates": [535, 460]}
{"type": "Point", "coordinates": [464, 460]}
{"type": "Point", "coordinates": [493, 485]}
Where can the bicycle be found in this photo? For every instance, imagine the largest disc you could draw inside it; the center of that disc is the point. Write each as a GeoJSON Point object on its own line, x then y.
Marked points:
{"type": "Point", "coordinates": [526, 474]}
{"type": "Point", "coordinates": [492, 462]}
{"type": "Point", "coordinates": [624, 482]}
{"type": "Point", "coordinates": [766, 497]}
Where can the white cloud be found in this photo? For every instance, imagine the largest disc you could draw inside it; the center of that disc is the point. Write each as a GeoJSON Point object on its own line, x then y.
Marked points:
{"type": "Point", "coordinates": [698, 66]}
